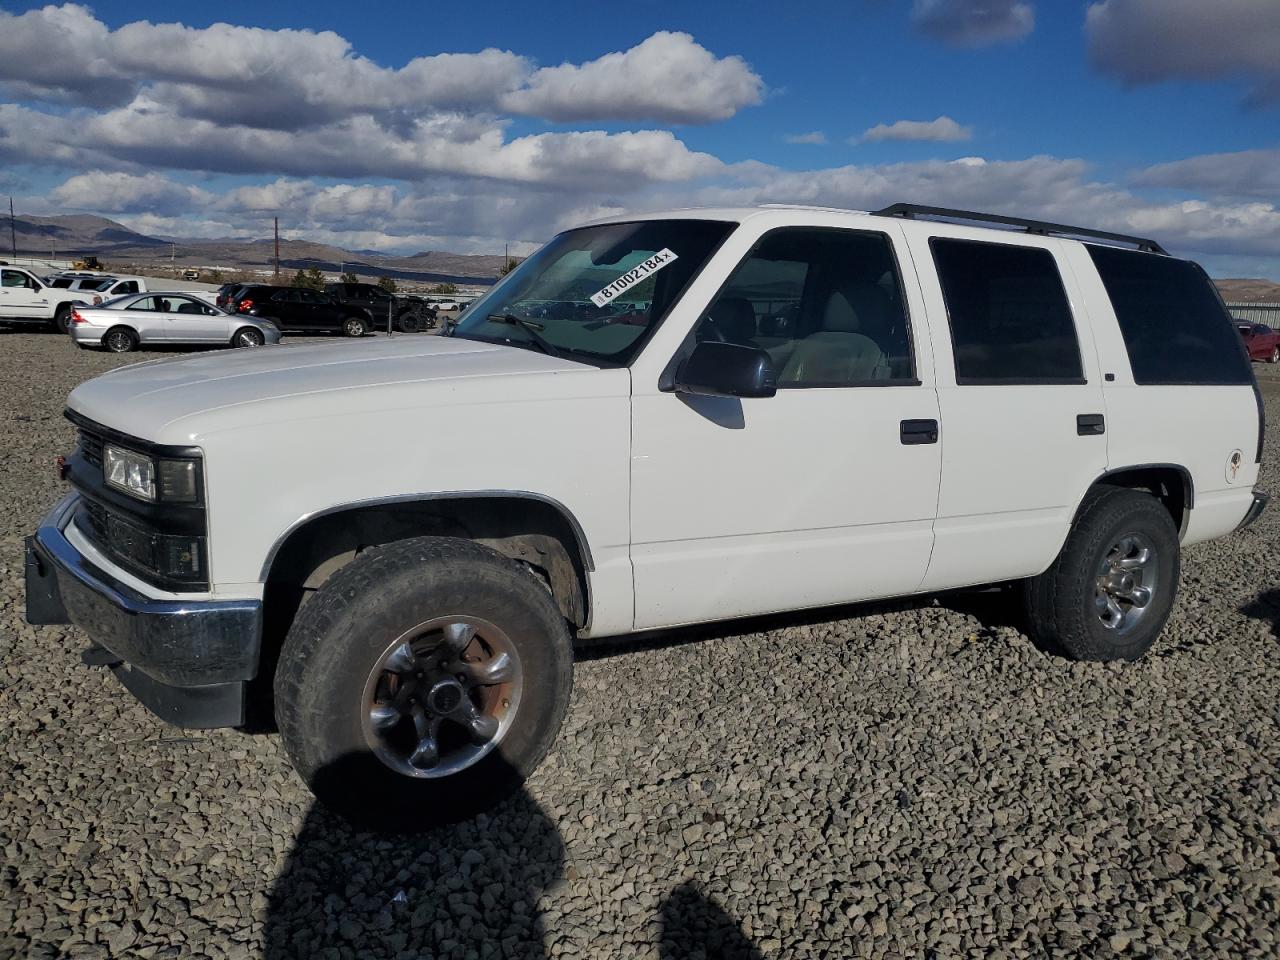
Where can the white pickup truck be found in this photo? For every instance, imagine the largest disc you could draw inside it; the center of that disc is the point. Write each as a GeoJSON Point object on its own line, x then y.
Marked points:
{"type": "Point", "coordinates": [25, 298]}
{"type": "Point", "coordinates": [811, 407]}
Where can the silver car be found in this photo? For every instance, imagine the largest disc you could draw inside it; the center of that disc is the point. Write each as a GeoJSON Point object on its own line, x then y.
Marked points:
{"type": "Point", "coordinates": [165, 319]}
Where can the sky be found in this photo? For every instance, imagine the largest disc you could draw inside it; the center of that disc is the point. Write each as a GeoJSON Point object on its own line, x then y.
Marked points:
{"type": "Point", "coordinates": [403, 127]}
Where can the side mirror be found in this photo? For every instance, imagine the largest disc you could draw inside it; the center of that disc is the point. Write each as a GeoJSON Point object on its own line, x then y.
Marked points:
{"type": "Point", "coordinates": [717, 369]}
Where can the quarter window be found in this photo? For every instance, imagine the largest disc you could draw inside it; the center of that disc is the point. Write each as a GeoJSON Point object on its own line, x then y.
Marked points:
{"type": "Point", "coordinates": [1175, 328]}
{"type": "Point", "coordinates": [826, 305]}
{"type": "Point", "coordinates": [1009, 315]}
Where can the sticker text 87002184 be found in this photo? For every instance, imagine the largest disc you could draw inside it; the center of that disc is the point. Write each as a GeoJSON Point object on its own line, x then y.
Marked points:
{"type": "Point", "coordinates": [633, 276]}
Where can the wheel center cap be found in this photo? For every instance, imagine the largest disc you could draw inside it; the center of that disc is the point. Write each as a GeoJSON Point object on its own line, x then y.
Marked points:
{"type": "Point", "coordinates": [445, 696]}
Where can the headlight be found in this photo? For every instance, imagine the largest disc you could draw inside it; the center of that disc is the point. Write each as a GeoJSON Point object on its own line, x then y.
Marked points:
{"type": "Point", "coordinates": [171, 481]}
{"type": "Point", "coordinates": [131, 472]}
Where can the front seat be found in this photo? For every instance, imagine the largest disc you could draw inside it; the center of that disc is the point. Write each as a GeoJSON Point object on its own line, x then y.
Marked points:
{"type": "Point", "coordinates": [843, 350]}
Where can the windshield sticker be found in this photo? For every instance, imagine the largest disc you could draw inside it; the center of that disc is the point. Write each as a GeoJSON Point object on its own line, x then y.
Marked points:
{"type": "Point", "coordinates": [633, 276]}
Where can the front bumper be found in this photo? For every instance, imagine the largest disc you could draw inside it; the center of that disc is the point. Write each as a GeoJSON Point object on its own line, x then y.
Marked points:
{"type": "Point", "coordinates": [188, 661]}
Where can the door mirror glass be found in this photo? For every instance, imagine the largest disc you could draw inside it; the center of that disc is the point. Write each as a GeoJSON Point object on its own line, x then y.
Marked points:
{"type": "Point", "coordinates": [717, 369]}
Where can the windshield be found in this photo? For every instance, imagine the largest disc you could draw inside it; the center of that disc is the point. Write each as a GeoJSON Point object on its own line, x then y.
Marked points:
{"type": "Point", "coordinates": [595, 294]}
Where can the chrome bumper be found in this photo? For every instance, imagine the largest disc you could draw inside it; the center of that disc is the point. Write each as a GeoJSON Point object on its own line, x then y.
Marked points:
{"type": "Point", "coordinates": [188, 661]}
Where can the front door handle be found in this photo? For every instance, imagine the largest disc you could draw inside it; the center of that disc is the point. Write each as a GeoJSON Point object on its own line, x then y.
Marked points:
{"type": "Point", "coordinates": [918, 431]}
{"type": "Point", "coordinates": [1091, 424]}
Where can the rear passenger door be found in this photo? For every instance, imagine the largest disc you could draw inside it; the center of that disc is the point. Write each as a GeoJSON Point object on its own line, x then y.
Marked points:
{"type": "Point", "coordinates": [1022, 416]}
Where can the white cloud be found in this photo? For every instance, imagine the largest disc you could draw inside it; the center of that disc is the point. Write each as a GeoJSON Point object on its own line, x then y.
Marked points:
{"type": "Point", "coordinates": [669, 77]}
{"type": "Point", "coordinates": [816, 137]}
{"type": "Point", "coordinates": [1149, 41]}
{"type": "Point", "coordinates": [973, 23]}
{"type": "Point", "coordinates": [941, 130]}
{"type": "Point", "coordinates": [117, 192]}
{"type": "Point", "coordinates": [1244, 174]}
{"type": "Point", "coordinates": [290, 79]}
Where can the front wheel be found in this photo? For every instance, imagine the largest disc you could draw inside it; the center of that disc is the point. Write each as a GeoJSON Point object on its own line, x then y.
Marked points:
{"type": "Point", "coordinates": [248, 337]}
{"type": "Point", "coordinates": [1109, 593]}
{"type": "Point", "coordinates": [423, 683]}
{"type": "Point", "coordinates": [1275, 355]}
{"type": "Point", "coordinates": [120, 340]}
{"type": "Point", "coordinates": [355, 327]}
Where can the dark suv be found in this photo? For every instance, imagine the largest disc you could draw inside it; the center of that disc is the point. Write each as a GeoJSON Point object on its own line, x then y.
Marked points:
{"type": "Point", "coordinates": [299, 310]}
{"type": "Point", "coordinates": [411, 314]}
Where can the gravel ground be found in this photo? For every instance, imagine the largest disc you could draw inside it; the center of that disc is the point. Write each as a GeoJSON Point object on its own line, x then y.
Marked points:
{"type": "Point", "coordinates": [914, 779]}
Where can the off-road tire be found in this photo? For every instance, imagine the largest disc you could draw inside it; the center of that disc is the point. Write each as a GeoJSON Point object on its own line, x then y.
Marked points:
{"type": "Point", "coordinates": [1060, 604]}
{"type": "Point", "coordinates": [408, 322]}
{"type": "Point", "coordinates": [340, 633]}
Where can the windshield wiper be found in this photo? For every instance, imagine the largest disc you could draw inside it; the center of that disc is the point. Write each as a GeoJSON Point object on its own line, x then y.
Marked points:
{"type": "Point", "coordinates": [531, 327]}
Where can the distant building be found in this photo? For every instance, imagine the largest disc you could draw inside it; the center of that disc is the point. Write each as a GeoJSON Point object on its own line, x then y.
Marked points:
{"type": "Point", "coordinates": [1268, 313]}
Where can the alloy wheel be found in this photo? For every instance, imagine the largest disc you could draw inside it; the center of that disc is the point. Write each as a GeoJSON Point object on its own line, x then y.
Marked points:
{"type": "Point", "coordinates": [441, 696]}
{"type": "Point", "coordinates": [1126, 582]}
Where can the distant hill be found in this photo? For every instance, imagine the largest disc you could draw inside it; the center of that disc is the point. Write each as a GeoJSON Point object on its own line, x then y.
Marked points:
{"type": "Point", "coordinates": [67, 237]}
{"type": "Point", "coordinates": [1249, 291]}
{"type": "Point", "coordinates": [81, 233]}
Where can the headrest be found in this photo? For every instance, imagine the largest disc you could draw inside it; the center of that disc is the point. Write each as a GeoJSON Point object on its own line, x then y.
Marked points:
{"type": "Point", "coordinates": [735, 318]}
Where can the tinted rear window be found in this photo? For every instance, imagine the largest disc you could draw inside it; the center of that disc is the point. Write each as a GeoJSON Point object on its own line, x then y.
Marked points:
{"type": "Point", "coordinates": [1174, 326]}
{"type": "Point", "coordinates": [1009, 315]}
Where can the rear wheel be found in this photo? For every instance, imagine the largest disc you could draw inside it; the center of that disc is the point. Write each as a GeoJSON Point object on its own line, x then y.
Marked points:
{"type": "Point", "coordinates": [355, 326]}
{"type": "Point", "coordinates": [248, 337]}
{"type": "Point", "coordinates": [1275, 355]}
{"type": "Point", "coordinates": [120, 340]}
{"type": "Point", "coordinates": [1109, 593]}
{"type": "Point", "coordinates": [422, 683]}
{"type": "Point", "coordinates": [62, 318]}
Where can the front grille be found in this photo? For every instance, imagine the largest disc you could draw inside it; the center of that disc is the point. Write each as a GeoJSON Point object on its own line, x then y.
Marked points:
{"type": "Point", "coordinates": [91, 447]}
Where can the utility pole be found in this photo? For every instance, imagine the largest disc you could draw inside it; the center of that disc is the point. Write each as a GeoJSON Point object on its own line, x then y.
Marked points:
{"type": "Point", "coordinates": [13, 236]}
{"type": "Point", "coordinates": [277, 220]}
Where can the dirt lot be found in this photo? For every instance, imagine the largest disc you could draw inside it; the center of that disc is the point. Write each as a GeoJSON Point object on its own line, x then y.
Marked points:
{"type": "Point", "coordinates": [913, 779]}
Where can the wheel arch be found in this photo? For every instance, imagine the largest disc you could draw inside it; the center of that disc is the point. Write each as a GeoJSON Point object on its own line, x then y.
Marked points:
{"type": "Point", "coordinates": [532, 528]}
{"type": "Point", "coordinates": [1170, 483]}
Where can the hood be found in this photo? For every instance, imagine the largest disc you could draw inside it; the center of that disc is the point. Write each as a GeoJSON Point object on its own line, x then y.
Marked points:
{"type": "Point", "coordinates": [146, 399]}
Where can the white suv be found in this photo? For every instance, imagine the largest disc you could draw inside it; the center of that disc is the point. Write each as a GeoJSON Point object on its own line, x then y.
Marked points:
{"type": "Point", "coordinates": [800, 407]}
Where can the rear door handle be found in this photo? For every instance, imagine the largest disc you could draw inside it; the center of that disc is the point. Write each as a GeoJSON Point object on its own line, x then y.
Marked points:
{"type": "Point", "coordinates": [1090, 424]}
{"type": "Point", "coordinates": [918, 431]}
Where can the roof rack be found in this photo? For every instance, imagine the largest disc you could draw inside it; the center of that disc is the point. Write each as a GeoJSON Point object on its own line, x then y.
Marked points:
{"type": "Point", "coordinates": [910, 211]}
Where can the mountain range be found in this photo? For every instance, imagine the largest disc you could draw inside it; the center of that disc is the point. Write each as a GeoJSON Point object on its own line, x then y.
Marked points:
{"type": "Point", "coordinates": [69, 237]}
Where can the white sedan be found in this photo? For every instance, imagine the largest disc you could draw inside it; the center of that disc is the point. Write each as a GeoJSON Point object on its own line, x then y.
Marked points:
{"type": "Point", "coordinates": [165, 319]}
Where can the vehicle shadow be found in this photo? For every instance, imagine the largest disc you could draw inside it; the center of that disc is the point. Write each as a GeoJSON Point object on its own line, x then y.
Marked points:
{"type": "Point", "coordinates": [1265, 606]}
{"type": "Point", "coordinates": [465, 889]}
{"type": "Point", "coordinates": [695, 927]}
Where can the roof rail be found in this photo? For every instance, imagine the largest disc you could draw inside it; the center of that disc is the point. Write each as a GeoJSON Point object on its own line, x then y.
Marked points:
{"type": "Point", "coordinates": [910, 211]}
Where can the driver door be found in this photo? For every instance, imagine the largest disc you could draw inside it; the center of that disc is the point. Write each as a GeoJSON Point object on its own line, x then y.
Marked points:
{"type": "Point", "coordinates": [824, 493]}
